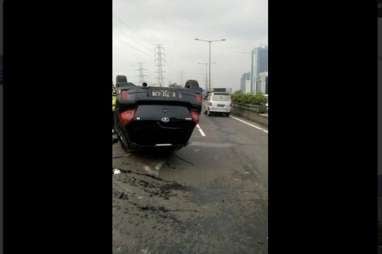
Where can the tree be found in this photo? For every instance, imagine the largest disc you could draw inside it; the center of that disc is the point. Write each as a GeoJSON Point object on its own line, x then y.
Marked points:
{"type": "Point", "coordinates": [249, 98]}
{"type": "Point", "coordinates": [259, 99]}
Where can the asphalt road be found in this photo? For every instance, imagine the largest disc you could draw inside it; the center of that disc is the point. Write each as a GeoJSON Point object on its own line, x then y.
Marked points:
{"type": "Point", "coordinates": [209, 197]}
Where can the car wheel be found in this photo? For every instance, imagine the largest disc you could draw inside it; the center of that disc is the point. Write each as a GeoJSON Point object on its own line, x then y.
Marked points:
{"type": "Point", "coordinates": [208, 113]}
{"type": "Point", "coordinates": [121, 138]}
{"type": "Point", "coordinates": [227, 114]}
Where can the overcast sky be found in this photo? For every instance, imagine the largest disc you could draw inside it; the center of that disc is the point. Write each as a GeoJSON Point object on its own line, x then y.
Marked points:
{"type": "Point", "coordinates": [138, 25]}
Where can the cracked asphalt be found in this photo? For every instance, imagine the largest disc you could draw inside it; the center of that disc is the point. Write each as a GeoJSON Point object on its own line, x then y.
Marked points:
{"type": "Point", "coordinates": [209, 197]}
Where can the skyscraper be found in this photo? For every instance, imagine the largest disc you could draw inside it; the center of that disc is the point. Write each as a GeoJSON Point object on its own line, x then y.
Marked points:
{"type": "Point", "coordinates": [245, 78]}
{"type": "Point", "coordinates": [259, 63]}
{"type": "Point", "coordinates": [262, 82]}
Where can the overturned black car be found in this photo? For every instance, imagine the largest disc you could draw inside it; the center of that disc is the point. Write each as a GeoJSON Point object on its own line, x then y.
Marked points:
{"type": "Point", "coordinates": [152, 117]}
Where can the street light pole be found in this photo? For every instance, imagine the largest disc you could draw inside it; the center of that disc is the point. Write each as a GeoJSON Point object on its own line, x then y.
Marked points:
{"type": "Point", "coordinates": [206, 70]}
{"type": "Point", "coordinates": [209, 66]}
{"type": "Point", "coordinates": [209, 58]}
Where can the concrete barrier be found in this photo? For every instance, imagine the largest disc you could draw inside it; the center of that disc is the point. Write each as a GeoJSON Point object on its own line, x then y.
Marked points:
{"type": "Point", "coordinates": [250, 112]}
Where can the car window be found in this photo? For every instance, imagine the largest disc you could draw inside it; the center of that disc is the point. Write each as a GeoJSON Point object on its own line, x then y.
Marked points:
{"type": "Point", "coordinates": [221, 97]}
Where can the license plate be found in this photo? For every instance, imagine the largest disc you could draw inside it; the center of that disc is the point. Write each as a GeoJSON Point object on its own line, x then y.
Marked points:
{"type": "Point", "coordinates": [163, 93]}
{"type": "Point", "coordinates": [220, 105]}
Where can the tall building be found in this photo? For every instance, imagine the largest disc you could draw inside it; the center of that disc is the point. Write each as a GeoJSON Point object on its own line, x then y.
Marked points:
{"type": "Point", "coordinates": [259, 63]}
{"type": "Point", "coordinates": [248, 86]}
{"type": "Point", "coordinates": [245, 82]}
{"type": "Point", "coordinates": [262, 82]}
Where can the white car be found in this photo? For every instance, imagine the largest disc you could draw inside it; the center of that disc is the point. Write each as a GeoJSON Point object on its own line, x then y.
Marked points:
{"type": "Point", "coordinates": [218, 102]}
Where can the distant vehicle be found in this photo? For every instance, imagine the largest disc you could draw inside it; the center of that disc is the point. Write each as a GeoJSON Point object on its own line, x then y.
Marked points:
{"type": "Point", "coordinates": [156, 117]}
{"type": "Point", "coordinates": [218, 102]}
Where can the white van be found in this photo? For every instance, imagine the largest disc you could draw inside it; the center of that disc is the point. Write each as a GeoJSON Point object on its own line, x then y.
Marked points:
{"type": "Point", "coordinates": [218, 102]}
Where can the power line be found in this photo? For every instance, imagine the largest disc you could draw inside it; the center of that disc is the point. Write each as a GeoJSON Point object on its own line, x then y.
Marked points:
{"type": "Point", "coordinates": [135, 35]}
{"type": "Point", "coordinates": [135, 48]}
{"type": "Point", "coordinates": [130, 41]}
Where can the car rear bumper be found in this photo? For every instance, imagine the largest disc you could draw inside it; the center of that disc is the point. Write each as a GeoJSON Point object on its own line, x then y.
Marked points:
{"type": "Point", "coordinates": [219, 109]}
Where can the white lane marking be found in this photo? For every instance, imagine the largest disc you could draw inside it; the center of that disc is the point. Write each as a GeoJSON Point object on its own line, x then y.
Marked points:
{"type": "Point", "coordinates": [200, 130]}
{"type": "Point", "coordinates": [209, 144]}
{"type": "Point", "coordinates": [252, 125]}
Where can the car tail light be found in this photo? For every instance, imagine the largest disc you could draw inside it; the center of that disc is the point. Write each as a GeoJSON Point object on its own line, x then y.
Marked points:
{"type": "Point", "coordinates": [126, 117]}
{"type": "Point", "coordinates": [195, 116]}
{"type": "Point", "coordinates": [199, 98]}
{"type": "Point", "coordinates": [124, 95]}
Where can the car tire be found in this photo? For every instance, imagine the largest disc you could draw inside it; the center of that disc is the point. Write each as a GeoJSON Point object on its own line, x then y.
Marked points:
{"type": "Point", "coordinates": [122, 140]}
{"type": "Point", "coordinates": [227, 114]}
{"type": "Point", "coordinates": [208, 113]}
{"type": "Point", "coordinates": [193, 84]}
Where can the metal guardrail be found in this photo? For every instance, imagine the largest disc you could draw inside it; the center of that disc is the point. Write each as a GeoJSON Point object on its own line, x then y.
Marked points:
{"type": "Point", "coordinates": [251, 112]}
{"type": "Point", "coordinates": [251, 107]}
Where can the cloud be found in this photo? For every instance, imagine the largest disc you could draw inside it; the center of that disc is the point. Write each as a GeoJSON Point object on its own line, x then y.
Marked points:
{"type": "Point", "coordinates": [140, 25]}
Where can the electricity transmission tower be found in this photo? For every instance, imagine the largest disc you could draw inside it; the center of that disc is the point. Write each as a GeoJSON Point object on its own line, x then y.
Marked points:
{"type": "Point", "coordinates": [159, 61]}
{"type": "Point", "coordinates": [141, 73]}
